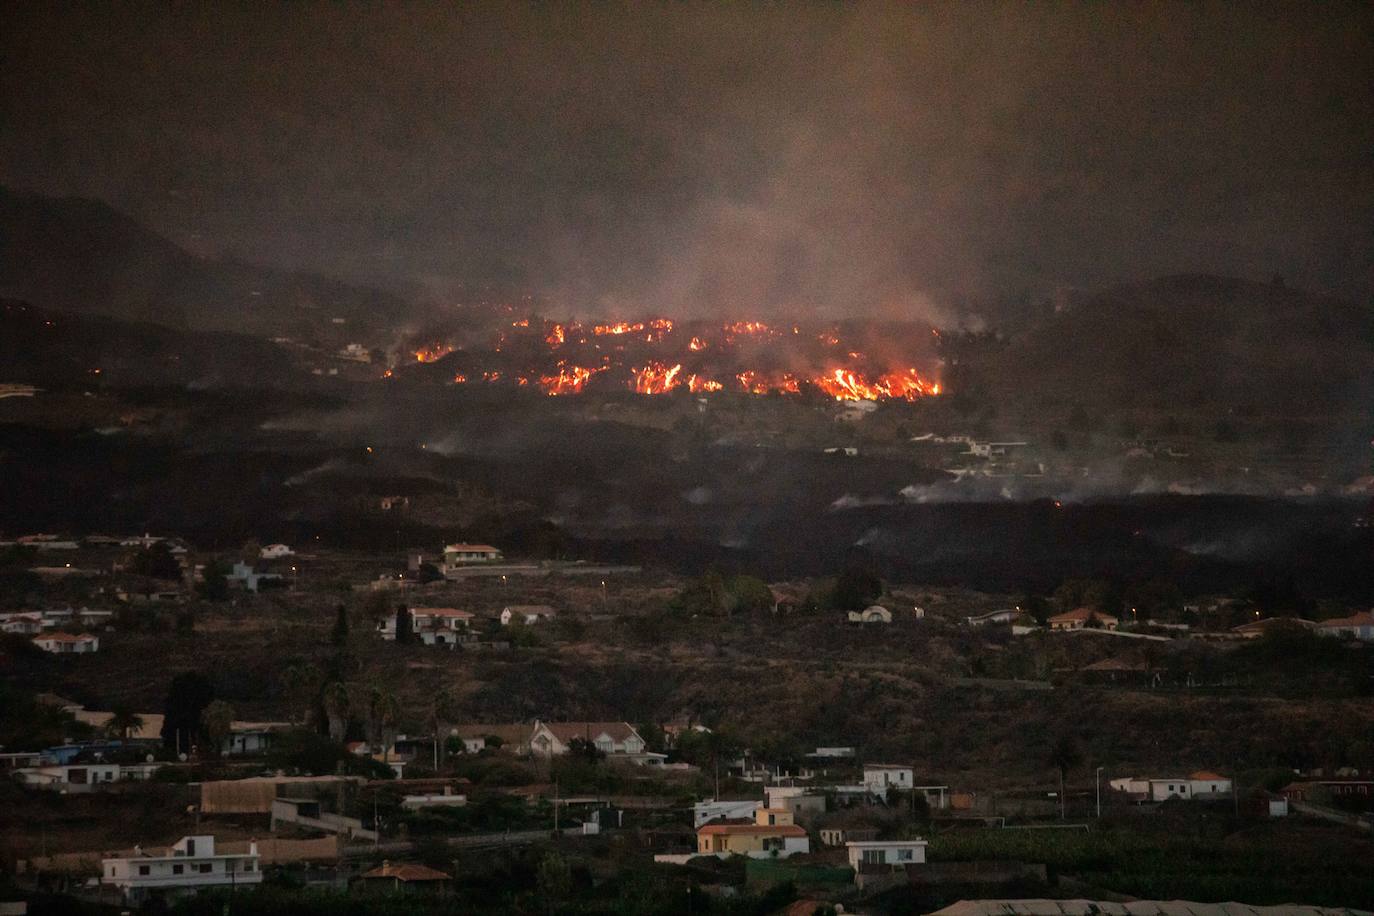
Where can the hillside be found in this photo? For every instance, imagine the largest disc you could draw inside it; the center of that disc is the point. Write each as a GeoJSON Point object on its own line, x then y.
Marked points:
{"type": "Point", "coordinates": [60, 350]}
{"type": "Point", "coordinates": [1192, 342]}
{"type": "Point", "coordinates": [83, 256]}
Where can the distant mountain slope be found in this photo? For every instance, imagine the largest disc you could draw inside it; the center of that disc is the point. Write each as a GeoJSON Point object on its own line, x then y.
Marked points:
{"type": "Point", "coordinates": [65, 351]}
{"type": "Point", "coordinates": [1190, 341]}
{"type": "Point", "coordinates": [83, 256]}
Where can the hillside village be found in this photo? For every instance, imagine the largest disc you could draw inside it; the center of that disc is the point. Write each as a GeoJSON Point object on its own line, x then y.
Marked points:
{"type": "Point", "coordinates": [372, 720]}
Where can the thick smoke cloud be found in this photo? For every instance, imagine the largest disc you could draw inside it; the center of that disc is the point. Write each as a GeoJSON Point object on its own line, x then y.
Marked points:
{"type": "Point", "coordinates": [861, 159]}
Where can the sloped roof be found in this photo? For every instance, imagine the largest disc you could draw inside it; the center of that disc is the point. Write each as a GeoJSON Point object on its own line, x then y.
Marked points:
{"type": "Point", "coordinates": [590, 731]}
{"type": "Point", "coordinates": [406, 871]}
{"type": "Point", "coordinates": [1081, 613]}
{"type": "Point", "coordinates": [717, 829]}
{"type": "Point", "coordinates": [441, 612]}
{"type": "Point", "coordinates": [1362, 619]}
{"type": "Point", "coordinates": [541, 609]}
{"type": "Point", "coordinates": [471, 548]}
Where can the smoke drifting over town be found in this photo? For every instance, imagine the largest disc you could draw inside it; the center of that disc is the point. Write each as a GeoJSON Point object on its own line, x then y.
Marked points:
{"type": "Point", "coordinates": [877, 160]}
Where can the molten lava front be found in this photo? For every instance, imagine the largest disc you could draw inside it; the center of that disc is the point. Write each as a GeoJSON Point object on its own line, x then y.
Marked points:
{"type": "Point", "coordinates": [659, 356]}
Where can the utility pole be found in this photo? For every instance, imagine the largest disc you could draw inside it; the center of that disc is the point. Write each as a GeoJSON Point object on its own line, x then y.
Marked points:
{"type": "Point", "coordinates": [1099, 793]}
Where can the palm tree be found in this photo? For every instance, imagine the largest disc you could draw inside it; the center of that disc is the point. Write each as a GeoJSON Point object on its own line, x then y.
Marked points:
{"type": "Point", "coordinates": [443, 709]}
{"type": "Point", "coordinates": [336, 708]}
{"type": "Point", "coordinates": [123, 722]}
{"type": "Point", "coordinates": [301, 681]}
{"type": "Point", "coordinates": [217, 721]}
{"type": "Point", "coordinates": [1065, 756]}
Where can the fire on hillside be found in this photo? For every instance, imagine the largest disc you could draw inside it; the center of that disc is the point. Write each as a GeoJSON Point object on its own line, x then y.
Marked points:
{"type": "Point", "coordinates": [658, 356]}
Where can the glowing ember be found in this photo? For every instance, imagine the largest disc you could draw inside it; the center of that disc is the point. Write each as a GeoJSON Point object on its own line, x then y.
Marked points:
{"type": "Point", "coordinates": [697, 345]}
{"type": "Point", "coordinates": [762, 383]}
{"type": "Point", "coordinates": [556, 336]}
{"type": "Point", "coordinates": [620, 327]}
{"type": "Point", "coordinates": [459, 378]}
{"type": "Point", "coordinates": [432, 353]}
{"type": "Point", "coordinates": [569, 380]}
{"type": "Point", "coordinates": [699, 384]}
{"type": "Point", "coordinates": [747, 327]}
{"type": "Point", "coordinates": [656, 378]}
{"type": "Point", "coordinates": [522, 323]}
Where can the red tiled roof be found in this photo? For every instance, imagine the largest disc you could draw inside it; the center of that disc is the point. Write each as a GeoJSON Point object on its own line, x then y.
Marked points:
{"type": "Point", "coordinates": [751, 830]}
{"type": "Point", "coordinates": [64, 637]}
{"type": "Point", "coordinates": [1206, 775]}
{"type": "Point", "coordinates": [1082, 613]}
{"type": "Point", "coordinates": [406, 871]}
{"type": "Point", "coordinates": [1362, 619]}
{"type": "Point", "coordinates": [472, 548]}
{"type": "Point", "coordinates": [441, 612]}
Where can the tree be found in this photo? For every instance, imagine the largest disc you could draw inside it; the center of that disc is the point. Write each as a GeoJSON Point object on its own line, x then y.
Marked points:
{"type": "Point", "coordinates": [187, 696]}
{"type": "Point", "coordinates": [855, 589]}
{"type": "Point", "coordinates": [217, 722]}
{"type": "Point", "coordinates": [428, 573]}
{"type": "Point", "coordinates": [554, 880]}
{"type": "Point", "coordinates": [1064, 757]}
{"type": "Point", "coordinates": [339, 635]}
{"type": "Point", "coordinates": [336, 708]}
{"type": "Point", "coordinates": [214, 584]}
{"type": "Point", "coordinates": [156, 562]}
{"type": "Point", "coordinates": [301, 681]}
{"type": "Point", "coordinates": [405, 630]}
{"type": "Point", "coordinates": [123, 722]}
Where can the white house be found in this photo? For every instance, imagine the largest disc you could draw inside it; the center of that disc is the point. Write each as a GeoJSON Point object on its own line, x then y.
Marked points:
{"type": "Point", "coordinates": [704, 812]}
{"type": "Point", "coordinates": [885, 852]}
{"type": "Point", "coordinates": [1202, 784]}
{"type": "Point", "coordinates": [466, 554]}
{"type": "Point", "coordinates": [1357, 626]}
{"type": "Point", "coordinates": [83, 777]}
{"type": "Point", "coordinates": [250, 578]}
{"type": "Point", "coordinates": [1081, 618]}
{"type": "Point", "coordinates": [433, 626]}
{"type": "Point", "coordinates": [25, 623]}
{"type": "Point", "coordinates": [67, 644]}
{"type": "Point", "coordinates": [614, 739]}
{"type": "Point", "coordinates": [275, 552]}
{"type": "Point", "coordinates": [1002, 615]}
{"type": "Point", "coordinates": [879, 777]}
{"type": "Point", "coordinates": [189, 865]}
{"type": "Point", "coordinates": [772, 835]}
{"type": "Point", "coordinates": [874, 613]}
{"type": "Point", "coordinates": [527, 614]}
{"type": "Point", "coordinates": [799, 800]}
{"type": "Point", "coordinates": [251, 737]}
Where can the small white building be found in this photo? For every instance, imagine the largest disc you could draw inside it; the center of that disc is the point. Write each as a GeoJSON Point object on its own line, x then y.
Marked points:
{"type": "Point", "coordinates": [874, 613]}
{"type": "Point", "coordinates": [1002, 615]}
{"type": "Point", "coordinates": [614, 739]}
{"type": "Point", "coordinates": [1202, 784]}
{"type": "Point", "coordinates": [528, 614]}
{"type": "Point", "coordinates": [799, 800]}
{"type": "Point", "coordinates": [432, 626]}
{"type": "Point", "coordinates": [67, 644]}
{"type": "Point", "coordinates": [276, 552]}
{"type": "Point", "coordinates": [467, 554]}
{"type": "Point", "coordinates": [77, 778]}
{"type": "Point", "coordinates": [25, 623]}
{"type": "Point", "coordinates": [1357, 626]}
{"type": "Point", "coordinates": [885, 852]}
{"type": "Point", "coordinates": [704, 812]}
{"type": "Point", "coordinates": [189, 865]}
{"type": "Point", "coordinates": [246, 738]}
{"type": "Point", "coordinates": [879, 777]}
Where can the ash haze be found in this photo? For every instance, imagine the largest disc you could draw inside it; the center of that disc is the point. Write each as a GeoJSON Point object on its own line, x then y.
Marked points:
{"type": "Point", "coordinates": [807, 159]}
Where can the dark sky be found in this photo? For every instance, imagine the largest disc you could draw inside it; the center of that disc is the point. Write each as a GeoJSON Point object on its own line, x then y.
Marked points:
{"type": "Point", "coordinates": [835, 158]}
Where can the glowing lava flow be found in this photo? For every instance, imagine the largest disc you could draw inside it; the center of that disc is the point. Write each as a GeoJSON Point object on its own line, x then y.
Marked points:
{"type": "Point", "coordinates": [432, 353]}
{"type": "Point", "coordinates": [569, 380]}
{"type": "Point", "coordinates": [656, 378]}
